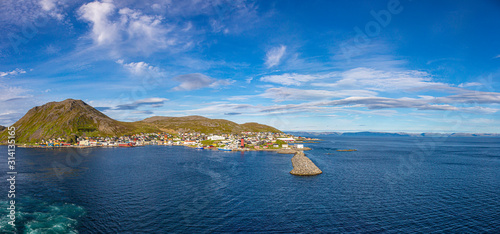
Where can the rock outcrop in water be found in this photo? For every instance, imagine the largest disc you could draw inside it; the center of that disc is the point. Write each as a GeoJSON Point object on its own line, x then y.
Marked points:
{"type": "Point", "coordinates": [303, 166]}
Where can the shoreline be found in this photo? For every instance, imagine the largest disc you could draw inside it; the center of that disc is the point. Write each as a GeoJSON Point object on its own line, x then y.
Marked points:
{"type": "Point", "coordinates": [280, 151]}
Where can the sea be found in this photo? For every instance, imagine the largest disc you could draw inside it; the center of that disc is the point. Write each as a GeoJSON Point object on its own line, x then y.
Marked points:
{"type": "Point", "coordinates": [389, 185]}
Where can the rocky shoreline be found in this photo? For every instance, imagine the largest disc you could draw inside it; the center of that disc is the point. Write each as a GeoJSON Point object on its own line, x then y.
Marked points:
{"type": "Point", "coordinates": [303, 166]}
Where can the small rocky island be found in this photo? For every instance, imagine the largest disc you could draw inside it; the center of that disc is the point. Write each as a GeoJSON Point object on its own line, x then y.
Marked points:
{"type": "Point", "coordinates": [303, 166]}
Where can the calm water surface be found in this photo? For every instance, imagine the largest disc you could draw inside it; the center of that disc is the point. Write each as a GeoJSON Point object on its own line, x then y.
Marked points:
{"type": "Point", "coordinates": [391, 184]}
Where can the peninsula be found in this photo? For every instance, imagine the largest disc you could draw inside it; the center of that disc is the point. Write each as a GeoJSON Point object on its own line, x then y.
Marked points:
{"type": "Point", "coordinates": [74, 123]}
{"type": "Point", "coordinates": [69, 119]}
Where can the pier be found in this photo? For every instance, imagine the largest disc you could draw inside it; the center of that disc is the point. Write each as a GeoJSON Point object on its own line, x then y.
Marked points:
{"type": "Point", "coordinates": [303, 166]}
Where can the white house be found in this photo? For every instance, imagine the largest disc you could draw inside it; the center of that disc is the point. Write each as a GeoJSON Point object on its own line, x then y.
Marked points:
{"type": "Point", "coordinates": [216, 138]}
{"type": "Point", "coordinates": [288, 139]}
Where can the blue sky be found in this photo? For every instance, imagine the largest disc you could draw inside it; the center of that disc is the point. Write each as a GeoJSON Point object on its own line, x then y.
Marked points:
{"type": "Point", "coordinates": [411, 66]}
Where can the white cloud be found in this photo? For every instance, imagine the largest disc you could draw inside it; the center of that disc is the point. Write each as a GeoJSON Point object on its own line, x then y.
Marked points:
{"type": "Point", "coordinates": [480, 110]}
{"type": "Point", "coordinates": [144, 28]}
{"type": "Point", "coordinates": [141, 69]}
{"type": "Point", "coordinates": [14, 72]}
{"type": "Point", "coordinates": [498, 56]}
{"type": "Point", "coordinates": [48, 5]}
{"type": "Point", "coordinates": [51, 6]}
{"type": "Point", "coordinates": [125, 27]}
{"type": "Point", "coordinates": [420, 104]}
{"type": "Point", "coordinates": [274, 55]}
{"type": "Point", "coordinates": [10, 93]}
{"type": "Point", "coordinates": [285, 94]}
{"type": "Point", "coordinates": [153, 102]}
{"type": "Point", "coordinates": [197, 81]}
{"type": "Point", "coordinates": [471, 97]}
{"type": "Point", "coordinates": [14, 102]}
{"type": "Point", "coordinates": [381, 80]}
{"type": "Point", "coordinates": [469, 84]}
{"type": "Point", "coordinates": [292, 78]}
{"type": "Point", "coordinates": [103, 30]}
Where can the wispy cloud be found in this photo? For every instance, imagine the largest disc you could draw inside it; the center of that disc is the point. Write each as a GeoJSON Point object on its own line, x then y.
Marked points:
{"type": "Point", "coordinates": [381, 80]}
{"type": "Point", "coordinates": [153, 102]}
{"type": "Point", "coordinates": [471, 97]}
{"type": "Point", "coordinates": [52, 8]}
{"type": "Point", "coordinates": [232, 113]}
{"type": "Point", "coordinates": [12, 93]}
{"type": "Point", "coordinates": [293, 78]}
{"type": "Point", "coordinates": [288, 94]}
{"type": "Point", "coordinates": [22, 13]}
{"type": "Point", "coordinates": [274, 55]}
{"type": "Point", "coordinates": [197, 81]}
{"type": "Point", "coordinates": [14, 72]}
{"type": "Point", "coordinates": [141, 68]}
{"type": "Point", "coordinates": [14, 102]}
{"type": "Point", "coordinates": [469, 84]}
{"type": "Point", "coordinates": [443, 103]}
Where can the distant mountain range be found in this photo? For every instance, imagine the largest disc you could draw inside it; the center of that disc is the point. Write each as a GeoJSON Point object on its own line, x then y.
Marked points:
{"type": "Point", "coordinates": [70, 118]}
{"type": "Point", "coordinates": [386, 134]}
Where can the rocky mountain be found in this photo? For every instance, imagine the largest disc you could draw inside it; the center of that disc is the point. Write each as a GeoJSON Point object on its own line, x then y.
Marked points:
{"type": "Point", "coordinates": [70, 118]}
{"type": "Point", "coordinates": [2, 128]}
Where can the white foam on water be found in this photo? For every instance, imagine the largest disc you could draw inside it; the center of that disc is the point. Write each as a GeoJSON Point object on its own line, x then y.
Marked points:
{"type": "Point", "coordinates": [41, 217]}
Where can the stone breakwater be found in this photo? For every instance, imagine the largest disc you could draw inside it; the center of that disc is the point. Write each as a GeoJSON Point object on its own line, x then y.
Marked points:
{"type": "Point", "coordinates": [303, 166]}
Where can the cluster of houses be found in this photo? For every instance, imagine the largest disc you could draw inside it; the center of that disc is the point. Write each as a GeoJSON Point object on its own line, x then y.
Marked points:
{"type": "Point", "coordinates": [245, 140]}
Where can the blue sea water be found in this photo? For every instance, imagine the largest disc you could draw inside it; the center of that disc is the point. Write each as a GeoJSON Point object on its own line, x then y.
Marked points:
{"type": "Point", "coordinates": [390, 184]}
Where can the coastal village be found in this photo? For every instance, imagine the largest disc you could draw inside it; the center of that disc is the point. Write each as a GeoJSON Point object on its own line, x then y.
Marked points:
{"type": "Point", "coordinates": [225, 142]}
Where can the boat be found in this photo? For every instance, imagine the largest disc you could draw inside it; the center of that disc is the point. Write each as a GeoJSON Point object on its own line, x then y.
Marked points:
{"type": "Point", "coordinates": [347, 150]}
{"type": "Point", "coordinates": [125, 145]}
{"type": "Point", "coordinates": [225, 149]}
{"type": "Point", "coordinates": [199, 147]}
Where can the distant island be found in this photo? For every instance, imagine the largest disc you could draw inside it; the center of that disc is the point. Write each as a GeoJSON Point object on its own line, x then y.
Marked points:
{"type": "Point", "coordinates": [390, 134]}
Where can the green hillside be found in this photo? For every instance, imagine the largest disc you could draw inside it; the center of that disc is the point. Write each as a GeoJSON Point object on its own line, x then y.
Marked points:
{"type": "Point", "coordinates": [71, 118]}
{"type": "Point", "coordinates": [66, 119]}
{"type": "Point", "coordinates": [256, 127]}
{"type": "Point", "coordinates": [204, 125]}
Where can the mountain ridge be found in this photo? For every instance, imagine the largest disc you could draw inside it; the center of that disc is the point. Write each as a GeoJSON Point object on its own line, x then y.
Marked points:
{"type": "Point", "coordinates": [393, 134]}
{"type": "Point", "coordinates": [205, 125]}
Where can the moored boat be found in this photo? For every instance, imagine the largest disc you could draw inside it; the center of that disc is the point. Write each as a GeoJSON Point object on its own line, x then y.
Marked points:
{"type": "Point", "coordinates": [225, 149]}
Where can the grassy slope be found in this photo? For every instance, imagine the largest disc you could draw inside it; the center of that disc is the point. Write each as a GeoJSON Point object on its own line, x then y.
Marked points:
{"type": "Point", "coordinates": [204, 125]}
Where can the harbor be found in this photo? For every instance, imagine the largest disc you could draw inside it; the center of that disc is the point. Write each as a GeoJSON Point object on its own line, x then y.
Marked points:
{"type": "Point", "coordinates": [244, 141]}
